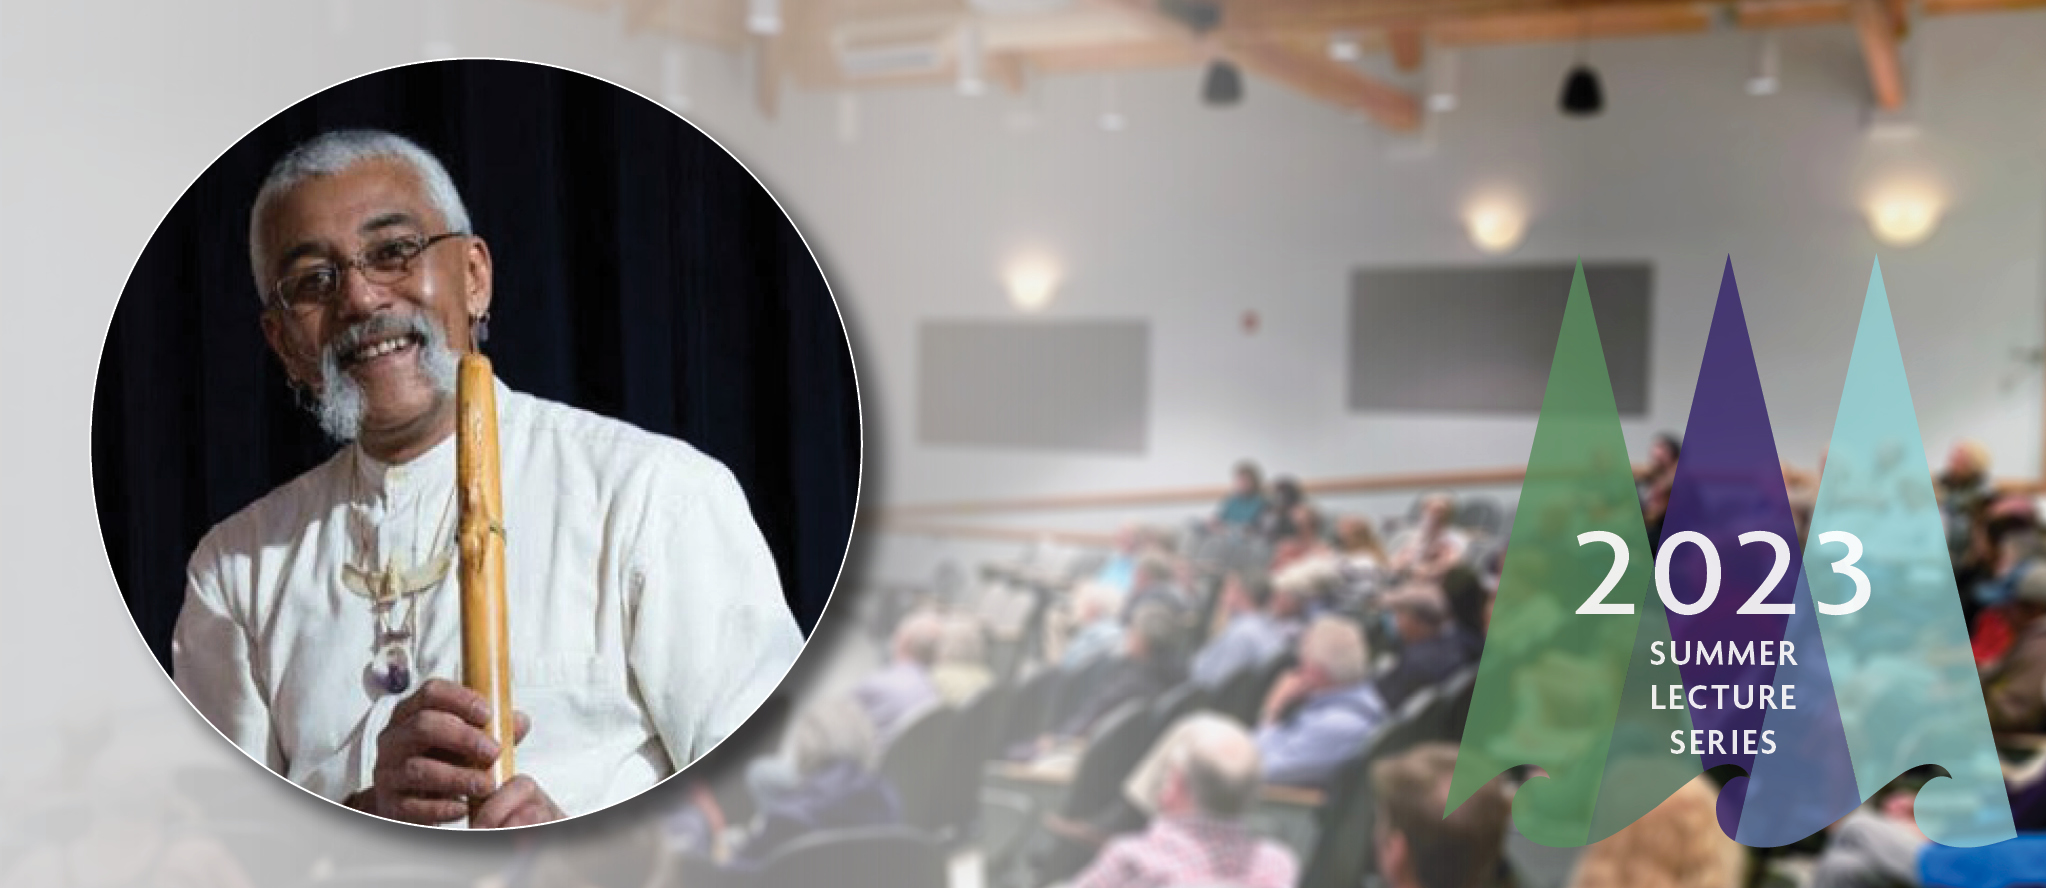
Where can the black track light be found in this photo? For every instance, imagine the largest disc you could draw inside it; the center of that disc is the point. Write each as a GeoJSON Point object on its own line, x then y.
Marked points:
{"type": "Point", "coordinates": [1583, 96]}
{"type": "Point", "coordinates": [1223, 85]}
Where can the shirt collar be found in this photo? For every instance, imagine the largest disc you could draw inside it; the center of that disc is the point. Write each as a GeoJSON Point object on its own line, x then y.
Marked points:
{"type": "Point", "coordinates": [430, 470]}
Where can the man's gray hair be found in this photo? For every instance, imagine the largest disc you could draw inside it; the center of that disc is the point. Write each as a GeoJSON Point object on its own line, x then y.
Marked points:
{"type": "Point", "coordinates": [330, 153]}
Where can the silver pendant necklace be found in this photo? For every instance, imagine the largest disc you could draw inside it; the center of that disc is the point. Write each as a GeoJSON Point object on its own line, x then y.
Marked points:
{"type": "Point", "coordinates": [394, 645]}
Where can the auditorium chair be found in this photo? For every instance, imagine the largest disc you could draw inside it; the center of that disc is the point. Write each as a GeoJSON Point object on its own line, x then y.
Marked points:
{"type": "Point", "coordinates": [890, 856]}
{"type": "Point", "coordinates": [1029, 708]}
{"type": "Point", "coordinates": [910, 764]}
{"type": "Point", "coordinates": [974, 742]}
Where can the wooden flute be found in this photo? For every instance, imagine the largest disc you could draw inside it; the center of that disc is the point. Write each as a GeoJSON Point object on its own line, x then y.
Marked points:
{"type": "Point", "coordinates": [486, 638]}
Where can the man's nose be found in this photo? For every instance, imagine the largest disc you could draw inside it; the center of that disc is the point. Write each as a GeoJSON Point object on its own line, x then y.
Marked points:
{"type": "Point", "coordinates": [359, 297]}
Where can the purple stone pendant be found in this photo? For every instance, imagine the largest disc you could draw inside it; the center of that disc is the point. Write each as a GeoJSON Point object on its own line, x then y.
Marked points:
{"type": "Point", "coordinates": [393, 668]}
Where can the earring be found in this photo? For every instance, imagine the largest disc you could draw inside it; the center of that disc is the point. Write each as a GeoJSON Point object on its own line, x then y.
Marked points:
{"type": "Point", "coordinates": [479, 328]}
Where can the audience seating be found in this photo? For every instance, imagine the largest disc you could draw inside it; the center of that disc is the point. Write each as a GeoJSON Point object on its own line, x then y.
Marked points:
{"type": "Point", "coordinates": [1243, 694]}
{"type": "Point", "coordinates": [910, 764]}
{"type": "Point", "coordinates": [1029, 708]}
{"type": "Point", "coordinates": [890, 856]}
{"type": "Point", "coordinates": [974, 741]}
{"type": "Point", "coordinates": [1344, 854]}
{"type": "Point", "coordinates": [1178, 703]}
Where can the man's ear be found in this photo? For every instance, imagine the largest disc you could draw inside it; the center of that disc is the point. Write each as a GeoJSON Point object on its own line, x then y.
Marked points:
{"type": "Point", "coordinates": [297, 364]}
{"type": "Point", "coordinates": [476, 262]}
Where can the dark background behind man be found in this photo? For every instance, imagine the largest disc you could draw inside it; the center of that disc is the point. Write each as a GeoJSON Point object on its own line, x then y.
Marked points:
{"type": "Point", "coordinates": [642, 273]}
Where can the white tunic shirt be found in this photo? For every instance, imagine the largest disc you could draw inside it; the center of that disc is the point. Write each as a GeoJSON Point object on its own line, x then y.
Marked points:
{"type": "Point", "coordinates": [646, 616]}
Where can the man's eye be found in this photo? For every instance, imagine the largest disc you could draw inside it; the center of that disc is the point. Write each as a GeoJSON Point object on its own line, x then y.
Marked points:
{"type": "Point", "coordinates": [310, 285]}
{"type": "Point", "coordinates": [392, 254]}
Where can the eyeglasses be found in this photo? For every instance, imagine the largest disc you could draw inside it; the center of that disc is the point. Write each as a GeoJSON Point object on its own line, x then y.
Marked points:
{"type": "Point", "coordinates": [382, 262]}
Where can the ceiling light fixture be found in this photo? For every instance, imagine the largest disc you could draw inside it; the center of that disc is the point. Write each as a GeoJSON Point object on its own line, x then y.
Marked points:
{"type": "Point", "coordinates": [1496, 223]}
{"type": "Point", "coordinates": [972, 77]}
{"type": "Point", "coordinates": [1903, 214]}
{"type": "Point", "coordinates": [1111, 118]}
{"type": "Point", "coordinates": [1032, 279]}
{"type": "Point", "coordinates": [763, 16]}
{"type": "Point", "coordinates": [1768, 59]}
{"type": "Point", "coordinates": [1343, 47]}
{"type": "Point", "coordinates": [1223, 85]}
{"type": "Point", "coordinates": [1442, 81]}
{"type": "Point", "coordinates": [1583, 95]}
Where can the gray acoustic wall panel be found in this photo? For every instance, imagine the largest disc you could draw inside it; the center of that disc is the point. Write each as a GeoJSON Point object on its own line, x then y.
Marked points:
{"type": "Point", "coordinates": [1480, 339]}
{"type": "Point", "coordinates": [1071, 385]}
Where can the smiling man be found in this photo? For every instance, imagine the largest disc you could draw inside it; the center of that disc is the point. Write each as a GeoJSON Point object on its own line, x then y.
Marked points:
{"type": "Point", "coordinates": [321, 630]}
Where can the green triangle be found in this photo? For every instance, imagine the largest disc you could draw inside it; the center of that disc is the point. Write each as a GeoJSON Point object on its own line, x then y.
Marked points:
{"type": "Point", "coordinates": [1551, 681]}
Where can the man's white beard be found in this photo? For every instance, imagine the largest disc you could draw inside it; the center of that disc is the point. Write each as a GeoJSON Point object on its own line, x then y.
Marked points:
{"type": "Point", "coordinates": [342, 403]}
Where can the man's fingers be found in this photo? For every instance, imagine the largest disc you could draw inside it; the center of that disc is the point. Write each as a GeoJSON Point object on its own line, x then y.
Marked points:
{"type": "Point", "coordinates": [422, 776]}
{"type": "Point", "coordinates": [435, 730]}
{"type": "Point", "coordinates": [445, 696]}
{"type": "Point", "coordinates": [520, 726]}
{"type": "Point", "coordinates": [431, 812]}
{"type": "Point", "coordinates": [506, 806]}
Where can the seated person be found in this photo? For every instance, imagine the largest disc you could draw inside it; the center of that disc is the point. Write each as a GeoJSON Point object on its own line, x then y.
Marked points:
{"type": "Point", "coordinates": [1420, 848]}
{"type": "Point", "coordinates": [1262, 618]}
{"type": "Point", "coordinates": [1319, 713]}
{"type": "Point", "coordinates": [1097, 622]}
{"type": "Point", "coordinates": [1678, 843]}
{"type": "Point", "coordinates": [2012, 683]}
{"type": "Point", "coordinates": [903, 689]}
{"type": "Point", "coordinates": [1146, 669]}
{"type": "Point", "coordinates": [1429, 549]}
{"type": "Point", "coordinates": [830, 783]}
{"type": "Point", "coordinates": [1303, 542]}
{"type": "Point", "coordinates": [961, 671]}
{"type": "Point", "coordinates": [1156, 582]}
{"type": "Point", "coordinates": [1209, 784]}
{"type": "Point", "coordinates": [1431, 645]}
{"type": "Point", "coordinates": [1246, 499]}
{"type": "Point", "coordinates": [1875, 844]}
{"type": "Point", "coordinates": [1470, 605]}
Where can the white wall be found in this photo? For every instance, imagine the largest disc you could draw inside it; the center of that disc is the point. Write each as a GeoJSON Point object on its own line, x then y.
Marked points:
{"type": "Point", "coordinates": [1191, 216]}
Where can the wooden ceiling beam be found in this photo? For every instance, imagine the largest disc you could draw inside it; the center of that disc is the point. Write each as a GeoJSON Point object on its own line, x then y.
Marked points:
{"type": "Point", "coordinates": [1407, 43]}
{"type": "Point", "coordinates": [1608, 22]}
{"type": "Point", "coordinates": [1308, 69]}
{"type": "Point", "coordinates": [1877, 28]}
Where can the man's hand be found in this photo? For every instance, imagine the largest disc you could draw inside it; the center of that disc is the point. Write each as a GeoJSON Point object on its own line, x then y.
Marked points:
{"type": "Point", "coordinates": [519, 803]}
{"type": "Point", "coordinates": [434, 757]}
{"type": "Point", "coordinates": [1290, 686]}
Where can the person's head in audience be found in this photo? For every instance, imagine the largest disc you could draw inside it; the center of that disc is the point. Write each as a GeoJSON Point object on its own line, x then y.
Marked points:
{"type": "Point", "coordinates": [1437, 510]}
{"type": "Point", "coordinates": [1303, 581]}
{"type": "Point", "coordinates": [1333, 654]}
{"type": "Point", "coordinates": [1356, 536]}
{"type": "Point", "coordinates": [1130, 539]}
{"type": "Point", "coordinates": [1151, 632]}
{"type": "Point", "coordinates": [961, 642]}
{"type": "Point", "coordinates": [1212, 773]}
{"type": "Point", "coordinates": [1249, 480]}
{"type": "Point", "coordinates": [1154, 571]}
{"type": "Point", "coordinates": [1244, 592]}
{"type": "Point", "coordinates": [1663, 453]}
{"type": "Point", "coordinates": [1420, 848]}
{"type": "Point", "coordinates": [1677, 845]}
{"type": "Point", "coordinates": [1470, 603]}
{"type": "Point", "coordinates": [1419, 616]}
{"type": "Point", "coordinates": [1967, 464]}
{"type": "Point", "coordinates": [916, 639]}
{"type": "Point", "coordinates": [832, 731]}
{"type": "Point", "coordinates": [1306, 522]}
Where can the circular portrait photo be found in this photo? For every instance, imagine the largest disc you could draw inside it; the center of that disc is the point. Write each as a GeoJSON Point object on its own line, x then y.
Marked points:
{"type": "Point", "coordinates": [476, 443]}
